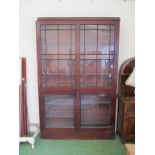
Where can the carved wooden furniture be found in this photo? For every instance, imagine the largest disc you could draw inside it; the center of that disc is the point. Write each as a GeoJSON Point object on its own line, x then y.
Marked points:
{"type": "Point", "coordinates": [77, 76]}
{"type": "Point", "coordinates": [126, 103]}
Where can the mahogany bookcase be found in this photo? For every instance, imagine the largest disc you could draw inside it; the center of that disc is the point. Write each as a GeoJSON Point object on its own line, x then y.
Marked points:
{"type": "Point", "coordinates": [77, 76]}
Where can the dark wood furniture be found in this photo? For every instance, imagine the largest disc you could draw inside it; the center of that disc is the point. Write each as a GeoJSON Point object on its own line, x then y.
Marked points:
{"type": "Point", "coordinates": [23, 114]}
{"type": "Point", "coordinates": [126, 103]}
{"type": "Point", "coordinates": [77, 76]}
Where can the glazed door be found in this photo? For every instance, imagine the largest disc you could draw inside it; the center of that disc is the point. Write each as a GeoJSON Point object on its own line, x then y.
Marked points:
{"type": "Point", "coordinates": [58, 72]}
{"type": "Point", "coordinates": [77, 65]}
{"type": "Point", "coordinates": [96, 75]}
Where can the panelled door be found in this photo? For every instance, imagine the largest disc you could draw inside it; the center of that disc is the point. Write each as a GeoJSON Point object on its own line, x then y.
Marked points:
{"type": "Point", "coordinates": [58, 65]}
{"type": "Point", "coordinates": [96, 74]}
{"type": "Point", "coordinates": [77, 66]}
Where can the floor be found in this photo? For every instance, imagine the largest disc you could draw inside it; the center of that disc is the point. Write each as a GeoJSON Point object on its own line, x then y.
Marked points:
{"type": "Point", "coordinates": [74, 147]}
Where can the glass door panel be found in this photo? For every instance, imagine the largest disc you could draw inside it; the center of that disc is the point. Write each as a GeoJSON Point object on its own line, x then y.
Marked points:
{"type": "Point", "coordinates": [95, 110]}
{"type": "Point", "coordinates": [96, 55]}
{"type": "Point", "coordinates": [59, 110]}
{"type": "Point", "coordinates": [66, 73]}
{"type": "Point", "coordinates": [90, 41]}
{"type": "Point", "coordinates": [67, 41]}
{"type": "Point", "coordinates": [102, 80]}
{"type": "Point", "coordinates": [112, 41]}
{"type": "Point", "coordinates": [103, 41]}
{"type": "Point", "coordinates": [96, 71]}
{"type": "Point", "coordinates": [51, 42]}
{"type": "Point", "coordinates": [58, 56]}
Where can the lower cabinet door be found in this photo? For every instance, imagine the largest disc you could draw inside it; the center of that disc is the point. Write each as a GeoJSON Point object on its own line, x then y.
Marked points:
{"type": "Point", "coordinates": [59, 111]}
{"type": "Point", "coordinates": [131, 126]}
{"type": "Point", "coordinates": [95, 110]}
{"type": "Point", "coordinates": [88, 117]}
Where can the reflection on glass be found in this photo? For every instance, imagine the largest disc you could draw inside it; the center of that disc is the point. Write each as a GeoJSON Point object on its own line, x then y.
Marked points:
{"type": "Point", "coordinates": [97, 39]}
{"type": "Point", "coordinates": [103, 41]}
{"type": "Point", "coordinates": [96, 73]}
{"type": "Point", "coordinates": [95, 110]}
{"type": "Point", "coordinates": [96, 55]}
{"type": "Point", "coordinates": [102, 80]}
{"type": "Point", "coordinates": [58, 55]}
{"type": "Point", "coordinates": [58, 73]}
{"type": "Point", "coordinates": [103, 66]}
{"type": "Point", "coordinates": [66, 66]}
{"type": "Point", "coordinates": [52, 67]}
{"type": "Point", "coordinates": [59, 110]}
{"type": "Point", "coordinates": [58, 39]}
{"type": "Point", "coordinates": [90, 80]}
{"type": "Point", "coordinates": [51, 42]}
{"type": "Point", "coordinates": [90, 41]}
{"type": "Point", "coordinates": [66, 42]}
{"type": "Point", "coordinates": [90, 66]}
{"type": "Point", "coordinates": [52, 81]}
{"type": "Point", "coordinates": [112, 44]}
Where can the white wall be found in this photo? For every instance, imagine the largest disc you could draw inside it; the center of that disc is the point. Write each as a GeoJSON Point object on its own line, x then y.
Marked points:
{"type": "Point", "coordinates": [30, 10]}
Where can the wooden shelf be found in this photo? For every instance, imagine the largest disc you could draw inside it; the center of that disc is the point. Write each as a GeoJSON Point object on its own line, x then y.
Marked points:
{"type": "Point", "coordinates": [60, 122]}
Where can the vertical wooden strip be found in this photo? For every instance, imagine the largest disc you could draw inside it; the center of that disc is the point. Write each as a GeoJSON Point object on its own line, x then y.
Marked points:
{"type": "Point", "coordinates": [40, 82]}
{"type": "Point", "coordinates": [20, 111]}
{"type": "Point", "coordinates": [25, 96]}
{"type": "Point", "coordinates": [84, 39]}
{"type": "Point", "coordinates": [96, 55]}
{"type": "Point", "coordinates": [58, 55]}
{"type": "Point", "coordinates": [46, 77]}
{"type": "Point", "coordinates": [115, 73]}
{"type": "Point", "coordinates": [23, 101]}
{"type": "Point", "coordinates": [109, 55]}
{"type": "Point", "coordinates": [77, 105]}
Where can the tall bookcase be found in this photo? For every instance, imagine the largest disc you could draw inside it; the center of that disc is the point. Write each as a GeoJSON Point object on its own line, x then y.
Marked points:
{"type": "Point", "coordinates": [77, 76]}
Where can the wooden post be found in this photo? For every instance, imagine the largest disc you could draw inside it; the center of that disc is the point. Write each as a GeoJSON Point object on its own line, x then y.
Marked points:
{"type": "Point", "coordinates": [23, 101]}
